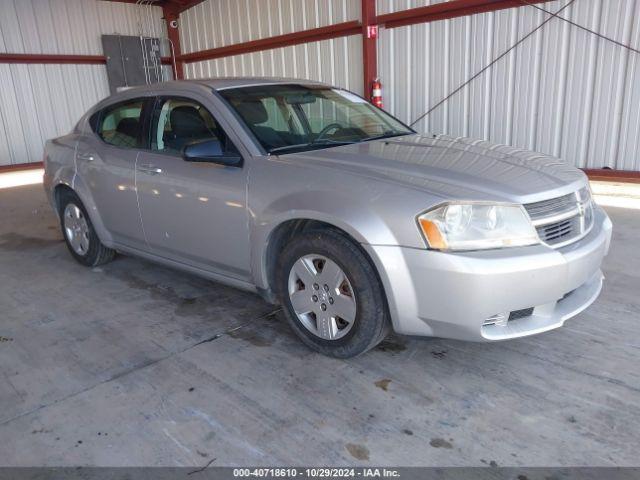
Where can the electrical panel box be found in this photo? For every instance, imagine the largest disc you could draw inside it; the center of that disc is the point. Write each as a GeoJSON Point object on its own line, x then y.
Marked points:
{"type": "Point", "coordinates": [132, 61]}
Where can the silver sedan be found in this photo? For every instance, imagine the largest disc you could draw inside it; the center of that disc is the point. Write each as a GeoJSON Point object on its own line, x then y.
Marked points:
{"type": "Point", "coordinates": [327, 205]}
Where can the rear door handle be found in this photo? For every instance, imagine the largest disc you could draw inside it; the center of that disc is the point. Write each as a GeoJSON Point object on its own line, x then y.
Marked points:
{"type": "Point", "coordinates": [150, 169]}
{"type": "Point", "coordinates": [86, 156]}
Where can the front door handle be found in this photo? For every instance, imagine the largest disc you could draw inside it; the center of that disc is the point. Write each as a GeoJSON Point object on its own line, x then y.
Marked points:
{"type": "Point", "coordinates": [150, 169]}
{"type": "Point", "coordinates": [85, 156]}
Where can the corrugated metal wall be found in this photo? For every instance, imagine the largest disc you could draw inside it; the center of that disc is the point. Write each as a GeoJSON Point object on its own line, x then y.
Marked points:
{"type": "Point", "coordinates": [38, 102]}
{"type": "Point", "coordinates": [337, 61]}
{"type": "Point", "coordinates": [563, 91]}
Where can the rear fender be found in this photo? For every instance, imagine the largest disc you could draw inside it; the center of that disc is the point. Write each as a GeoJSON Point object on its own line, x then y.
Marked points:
{"type": "Point", "coordinates": [84, 193]}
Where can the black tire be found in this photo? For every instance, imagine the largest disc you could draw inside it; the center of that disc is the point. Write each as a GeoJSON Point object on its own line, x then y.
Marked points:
{"type": "Point", "coordinates": [371, 324]}
{"type": "Point", "coordinates": [97, 253]}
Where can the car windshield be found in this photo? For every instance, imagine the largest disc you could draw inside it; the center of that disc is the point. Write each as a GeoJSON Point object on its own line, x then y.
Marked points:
{"type": "Point", "coordinates": [294, 118]}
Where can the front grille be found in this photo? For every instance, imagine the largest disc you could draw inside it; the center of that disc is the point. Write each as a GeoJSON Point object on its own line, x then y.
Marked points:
{"type": "Point", "coordinates": [562, 220]}
{"type": "Point", "coordinates": [547, 208]}
{"type": "Point", "coordinates": [559, 231]}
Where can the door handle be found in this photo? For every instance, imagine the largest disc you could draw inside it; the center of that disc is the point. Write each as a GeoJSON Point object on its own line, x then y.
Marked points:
{"type": "Point", "coordinates": [150, 169]}
{"type": "Point", "coordinates": [85, 156]}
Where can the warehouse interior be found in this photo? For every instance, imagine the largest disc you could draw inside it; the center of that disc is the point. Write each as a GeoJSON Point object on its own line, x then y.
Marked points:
{"type": "Point", "coordinates": [136, 364]}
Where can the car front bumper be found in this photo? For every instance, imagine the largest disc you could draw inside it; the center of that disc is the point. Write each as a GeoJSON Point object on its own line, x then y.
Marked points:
{"type": "Point", "coordinates": [454, 295]}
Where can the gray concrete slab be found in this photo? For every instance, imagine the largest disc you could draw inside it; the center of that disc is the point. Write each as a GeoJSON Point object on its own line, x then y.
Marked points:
{"type": "Point", "coordinates": [136, 364]}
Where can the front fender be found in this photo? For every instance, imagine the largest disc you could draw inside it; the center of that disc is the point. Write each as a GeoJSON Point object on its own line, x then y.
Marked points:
{"type": "Point", "coordinates": [352, 217]}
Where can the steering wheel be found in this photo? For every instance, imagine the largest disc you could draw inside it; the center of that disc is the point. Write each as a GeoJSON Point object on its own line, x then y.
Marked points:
{"type": "Point", "coordinates": [327, 129]}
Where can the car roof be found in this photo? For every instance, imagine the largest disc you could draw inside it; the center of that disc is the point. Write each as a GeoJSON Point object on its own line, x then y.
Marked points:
{"type": "Point", "coordinates": [235, 82]}
{"type": "Point", "coordinates": [223, 83]}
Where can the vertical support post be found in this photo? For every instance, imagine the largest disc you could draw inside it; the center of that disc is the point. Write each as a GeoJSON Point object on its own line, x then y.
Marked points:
{"type": "Point", "coordinates": [171, 18]}
{"type": "Point", "coordinates": [369, 46]}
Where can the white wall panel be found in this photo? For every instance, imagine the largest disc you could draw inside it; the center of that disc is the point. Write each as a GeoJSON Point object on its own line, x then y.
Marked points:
{"type": "Point", "coordinates": [216, 23]}
{"type": "Point", "coordinates": [38, 102]}
{"type": "Point", "coordinates": [563, 91]}
{"type": "Point", "coordinates": [337, 61]}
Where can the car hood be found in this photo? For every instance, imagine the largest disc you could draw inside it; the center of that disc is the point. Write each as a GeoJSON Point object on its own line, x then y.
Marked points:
{"type": "Point", "coordinates": [453, 168]}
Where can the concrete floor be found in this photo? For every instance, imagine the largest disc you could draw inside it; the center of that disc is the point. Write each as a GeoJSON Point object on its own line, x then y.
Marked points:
{"type": "Point", "coordinates": [135, 364]}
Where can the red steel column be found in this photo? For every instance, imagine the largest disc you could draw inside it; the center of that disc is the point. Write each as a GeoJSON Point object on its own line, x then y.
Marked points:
{"type": "Point", "coordinates": [171, 17]}
{"type": "Point", "coordinates": [369, 41]}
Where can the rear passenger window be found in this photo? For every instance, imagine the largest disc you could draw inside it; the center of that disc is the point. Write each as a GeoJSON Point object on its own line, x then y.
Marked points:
{"type": "Point", "coordinates": [120, 125]}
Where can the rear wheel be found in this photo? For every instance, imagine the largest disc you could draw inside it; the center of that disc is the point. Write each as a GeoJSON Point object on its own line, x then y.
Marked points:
{"type": "Point", "coordinates": [79, 234]}
{"type": "Point", "coordinates": [332, 296]}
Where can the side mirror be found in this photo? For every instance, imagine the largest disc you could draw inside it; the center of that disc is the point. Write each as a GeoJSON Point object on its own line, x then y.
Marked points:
{"type": "Point", "coordinates": [210, 151]}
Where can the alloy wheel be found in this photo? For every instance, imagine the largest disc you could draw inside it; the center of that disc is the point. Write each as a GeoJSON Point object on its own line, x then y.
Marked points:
{"type": "Point", "coordinates": [322, 296]}
{"type": "Point", "coordinates": [76, 229]}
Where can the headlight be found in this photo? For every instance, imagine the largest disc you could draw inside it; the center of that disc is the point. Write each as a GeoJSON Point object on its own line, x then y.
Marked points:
{"type": "Point", "coordinates": [585, 195]}
{"type": "Point", "coordinates": [477, 226]}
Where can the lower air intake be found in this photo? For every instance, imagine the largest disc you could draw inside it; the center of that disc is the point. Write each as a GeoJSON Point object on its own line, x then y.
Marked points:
{"type": "Point", "coordinates": [516, 314]}
{"type": "Point", "coordinates": [501, 319]}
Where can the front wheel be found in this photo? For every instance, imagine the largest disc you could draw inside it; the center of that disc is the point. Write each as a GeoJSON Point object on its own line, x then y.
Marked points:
{"type": "Point", "coordinates": [331, 294]}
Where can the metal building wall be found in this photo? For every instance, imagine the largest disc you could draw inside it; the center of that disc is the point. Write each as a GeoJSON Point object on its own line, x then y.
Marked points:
{"type": "Point", "coordinates": [563, 91]}
{"type": "Point", "coordinates": [38, 102]}
{"type": "Point", "coordinates": [217, 23]}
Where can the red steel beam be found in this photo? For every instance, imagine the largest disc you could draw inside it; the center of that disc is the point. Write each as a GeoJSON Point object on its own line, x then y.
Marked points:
{"type": "Point", "coordinates": [21, 167]}
{"type": "Point", "coordinates": [182, 5]}
{"type": "Point", "coordinates": [626, 176]}
{"type": "Point", "coordinates": [439, 11]}
{"type": "Point", "coordinates": [286, 40]}
{"type": "Point", "coordinates": [60, 59]}
{"type": "Point", "coordinates": [369, 47]}
{"type": "Point", "coordinates": [170, 16]}
{"type": "Point", "coordinates": [54, 58]}
{"type": "Point", "coordinates": [446, 10]}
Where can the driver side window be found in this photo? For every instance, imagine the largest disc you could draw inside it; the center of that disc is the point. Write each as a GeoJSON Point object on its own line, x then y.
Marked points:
{"type": "Point", "coordinates": [178, 122]}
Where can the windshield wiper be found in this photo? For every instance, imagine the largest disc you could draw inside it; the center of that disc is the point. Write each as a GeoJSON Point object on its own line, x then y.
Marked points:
{"type": "Point", "coordinates": [387, 134]}
{"type": "Point", "coordinates": [327, 143]}
{"type": "Point", "coordinates": [333, 143]}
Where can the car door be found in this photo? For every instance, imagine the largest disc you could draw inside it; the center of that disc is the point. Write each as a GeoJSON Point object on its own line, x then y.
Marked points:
{"type": "Point", "coordinates": [105, 161]}
{"type": "Point", "coordinates": [192, 212]}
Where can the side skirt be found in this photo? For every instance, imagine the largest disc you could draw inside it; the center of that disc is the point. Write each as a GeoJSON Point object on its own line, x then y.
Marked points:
{"type": "Point", "coordinates": [216, 277]}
